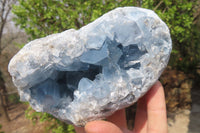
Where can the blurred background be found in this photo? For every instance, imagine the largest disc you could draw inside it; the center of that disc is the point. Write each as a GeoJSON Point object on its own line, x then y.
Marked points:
{"type": "Point", "coordinates": [24, 20]}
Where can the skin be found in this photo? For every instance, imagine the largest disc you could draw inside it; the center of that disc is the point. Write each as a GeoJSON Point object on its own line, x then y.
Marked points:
{"type": "Point", "coordinates": [150, 116]}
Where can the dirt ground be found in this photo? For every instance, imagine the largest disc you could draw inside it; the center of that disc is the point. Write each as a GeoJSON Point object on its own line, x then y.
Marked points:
{"type": "Point", "coordinates": [18, 123]}
{"type": "Point", "coordinates": [186, 121]}
{"type": "Point", "coordinates": [180, 121]}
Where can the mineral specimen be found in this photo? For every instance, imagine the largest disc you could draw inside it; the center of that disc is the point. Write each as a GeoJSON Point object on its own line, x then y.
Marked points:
{"type": "Point", "coordinates": [87, 74]}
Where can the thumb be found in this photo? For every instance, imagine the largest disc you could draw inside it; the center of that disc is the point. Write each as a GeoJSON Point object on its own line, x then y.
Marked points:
{"type": "Point", "coordinates": [101, 127]}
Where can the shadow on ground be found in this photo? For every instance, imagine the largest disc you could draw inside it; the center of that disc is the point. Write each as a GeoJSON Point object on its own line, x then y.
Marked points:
{"type": "Point", "coordinates": [194, 124]}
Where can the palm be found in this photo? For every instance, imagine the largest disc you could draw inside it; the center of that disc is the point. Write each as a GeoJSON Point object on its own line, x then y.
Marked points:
{"type": "Point", "coordinates": [150, 116]}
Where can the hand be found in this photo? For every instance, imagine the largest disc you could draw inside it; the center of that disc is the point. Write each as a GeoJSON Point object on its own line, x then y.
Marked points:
{"type": "Point", "coordinates": [150, 116]}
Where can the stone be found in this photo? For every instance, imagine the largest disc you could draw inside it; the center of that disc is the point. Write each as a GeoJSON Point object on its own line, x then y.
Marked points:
{"type": "Point", "coordinates": [87, 74]}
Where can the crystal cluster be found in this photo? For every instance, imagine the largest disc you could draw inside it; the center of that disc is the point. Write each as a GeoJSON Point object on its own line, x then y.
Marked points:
{"type": "Point", "coordinates": [87, 74]}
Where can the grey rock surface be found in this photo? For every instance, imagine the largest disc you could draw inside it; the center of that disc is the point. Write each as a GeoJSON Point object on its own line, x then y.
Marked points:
{"type": "Point", "coordinates": [88, 74]}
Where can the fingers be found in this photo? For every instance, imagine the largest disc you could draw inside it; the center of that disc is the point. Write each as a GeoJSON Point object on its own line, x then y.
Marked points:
{"type": "Point", "coordinates": [156, 109]}
{"type": "Point", "coordinates": [141, 116]}
{"type": "Point", "coordinates": [101, 127]}
{"type": "Point", "coordinates": [119, 119]}
{"type": "Point", "coordinates": [151, 112]}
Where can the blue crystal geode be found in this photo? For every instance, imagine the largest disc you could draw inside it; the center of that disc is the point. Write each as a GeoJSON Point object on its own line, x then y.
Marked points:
{"type": "Point", "coordinates": [87, 74]}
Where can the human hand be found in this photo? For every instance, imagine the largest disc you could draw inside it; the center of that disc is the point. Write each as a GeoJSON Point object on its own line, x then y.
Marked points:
{"type": "Point", "coordinates": [150, 116]}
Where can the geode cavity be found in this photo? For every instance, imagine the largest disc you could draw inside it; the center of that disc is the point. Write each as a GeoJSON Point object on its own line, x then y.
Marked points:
{"type": "Point", "coordinates": [87, 74]}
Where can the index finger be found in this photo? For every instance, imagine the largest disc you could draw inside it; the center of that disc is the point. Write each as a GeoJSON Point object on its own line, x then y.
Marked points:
{"type": "Point", "coordinates": [156, 110]}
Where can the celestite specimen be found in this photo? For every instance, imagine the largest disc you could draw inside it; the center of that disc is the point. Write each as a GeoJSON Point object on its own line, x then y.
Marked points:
{"type": "Point", "coordinates": [87, 74]}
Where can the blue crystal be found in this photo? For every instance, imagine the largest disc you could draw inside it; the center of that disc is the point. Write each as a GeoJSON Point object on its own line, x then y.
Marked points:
{"type": "Point", "coordinates": [93, 56]}
{"type": "Point", "coordinates": [88, 74]}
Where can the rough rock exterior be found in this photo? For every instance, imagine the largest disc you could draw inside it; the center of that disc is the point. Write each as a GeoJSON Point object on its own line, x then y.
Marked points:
{"type": "Point", "coordinates": [87, 74]}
